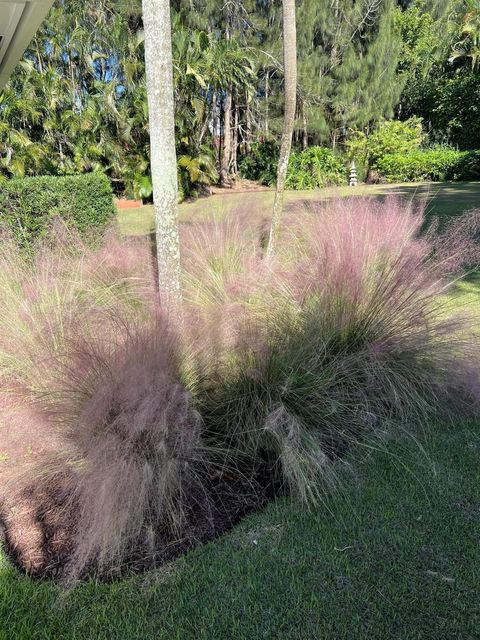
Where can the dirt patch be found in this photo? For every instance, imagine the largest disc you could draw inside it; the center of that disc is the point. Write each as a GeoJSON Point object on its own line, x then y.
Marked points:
{"type": "Point", "coordinates": [240, 186]}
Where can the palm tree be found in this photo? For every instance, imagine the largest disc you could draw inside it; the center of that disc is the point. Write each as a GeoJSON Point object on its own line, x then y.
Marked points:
{"type": "Point", "coordinates": [290, 81]}
{"type": "Point", "coordinates": [469, 46]}
{"type": "Point", "coordinates": [163, 158]}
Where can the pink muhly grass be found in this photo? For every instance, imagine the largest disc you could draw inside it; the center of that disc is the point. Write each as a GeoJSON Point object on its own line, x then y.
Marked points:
{"type": "Point", "coordinates": [346, 329]}
{"type": "Point", "coordinates": [83, 342]}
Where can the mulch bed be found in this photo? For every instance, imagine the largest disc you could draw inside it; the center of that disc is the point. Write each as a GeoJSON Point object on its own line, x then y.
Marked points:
{"type": "Point", "coordinates": [37, 527]}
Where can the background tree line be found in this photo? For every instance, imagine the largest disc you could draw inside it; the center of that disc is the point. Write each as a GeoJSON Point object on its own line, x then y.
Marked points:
{"type": "Point", "coordinates": [77, 102]}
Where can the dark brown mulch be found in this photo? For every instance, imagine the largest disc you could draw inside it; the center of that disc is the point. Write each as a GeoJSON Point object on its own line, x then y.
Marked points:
{"type": "Point", "coordinates": [38, 530]}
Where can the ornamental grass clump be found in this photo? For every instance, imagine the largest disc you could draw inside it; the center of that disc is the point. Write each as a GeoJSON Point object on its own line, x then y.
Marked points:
{"type": "Point", "coordinates": [157, 436]}
{"type": "Point", "coordinates": [89, 364]}
{"type": "Point", "coordinates": [349, 329]}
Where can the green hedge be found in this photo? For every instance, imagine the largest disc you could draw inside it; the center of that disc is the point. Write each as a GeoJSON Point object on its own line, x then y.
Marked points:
{"type": "Point", "coordinates": [430, 164]}
{"type": "Point", "coordinates": [27, 205]}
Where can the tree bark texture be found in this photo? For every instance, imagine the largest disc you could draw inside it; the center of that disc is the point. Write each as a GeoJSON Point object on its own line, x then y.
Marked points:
{"type": "Point", "coordinates": [163, 158]}
{"type": "Point", "coordinates": [290, 75]}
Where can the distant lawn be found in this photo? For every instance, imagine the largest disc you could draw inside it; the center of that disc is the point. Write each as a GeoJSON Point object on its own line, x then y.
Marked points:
{"type": "Point", "coordinates": [443, 199]}
{"type": "Point", "coordinates": [393, 554]}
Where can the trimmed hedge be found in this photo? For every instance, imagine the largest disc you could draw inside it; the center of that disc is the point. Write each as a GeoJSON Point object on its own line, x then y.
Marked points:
{"type": "Point", "coordinates": [430, 164]}
{"type": "Point", "coordinates": [28, 205]}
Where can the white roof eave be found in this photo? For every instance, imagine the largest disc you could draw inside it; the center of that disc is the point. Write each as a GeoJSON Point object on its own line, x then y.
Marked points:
{"type": "Point", "coordinates": [19, 21]}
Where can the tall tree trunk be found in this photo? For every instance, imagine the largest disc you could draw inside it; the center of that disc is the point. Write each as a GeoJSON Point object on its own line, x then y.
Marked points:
{"type": "Point", "coordinates": [216, 132]}
{"type": "Point", "coordinates": [235, 141]}
{"type": "Point", "coordinates": [163, 157]}
{"type": "Point", "coordinates": [267, 98]}
{"type": "Point", "coordinates": [227, 141]}
{"type": "Point", "coordinates": [305, 126]}
{"type": "Point", "coordinates": [290, 75]}
{"type": "Point", "coordinates": [248, 128]}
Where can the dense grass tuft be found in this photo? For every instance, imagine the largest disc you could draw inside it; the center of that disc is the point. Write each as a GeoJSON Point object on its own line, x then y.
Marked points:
{"type": "Point", "coordinates": [84, 346]}
{"type": "Point", "coordinates": [281, 365]}
{"type": "Point", "coordinates": [346, 331]}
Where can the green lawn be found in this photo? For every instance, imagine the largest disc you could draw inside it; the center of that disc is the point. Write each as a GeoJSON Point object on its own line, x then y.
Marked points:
{"type": "Point", "coordinates": [442, 199]}
{"type": "Point", "coordinates": [393, 553]}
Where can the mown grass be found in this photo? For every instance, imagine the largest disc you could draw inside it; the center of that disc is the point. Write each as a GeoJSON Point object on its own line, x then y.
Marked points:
{"type": "Point", "coordinates": [393, 554]}
{"type": "Point", "coordinates": [444, 199]}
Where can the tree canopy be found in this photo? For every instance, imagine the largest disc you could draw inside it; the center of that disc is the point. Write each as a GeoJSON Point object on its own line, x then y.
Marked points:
{"type": "Point", "coordinates": [77, 101]}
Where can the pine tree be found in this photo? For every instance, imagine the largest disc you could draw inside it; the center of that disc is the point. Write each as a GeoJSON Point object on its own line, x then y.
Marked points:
{"type": "Point", "coordinates": [347, 69]}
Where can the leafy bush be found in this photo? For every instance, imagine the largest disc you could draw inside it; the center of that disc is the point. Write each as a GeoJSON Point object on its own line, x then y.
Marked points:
{"type": "Point", "coordinates": [466, 167]}
{"type": "Point", "coordinates": [195, 173]}
{"type": "Point", "coordinates": [390, 137]}
{"type": "Point", "coordinates": [28, 205]}
{"type": "Point", "coordinates": [309, 169]}
{"type": "Point", "coordinates": [314, 168]}
{"type": "Point", "coordinates": [430, 164]}
{"type": "Point", "coordinates": [261, 163]}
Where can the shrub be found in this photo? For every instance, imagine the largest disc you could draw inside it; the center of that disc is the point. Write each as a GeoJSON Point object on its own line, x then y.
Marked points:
{"type": "Point", "coordinates": [346, 332]}
{"type": "Point", "coordinates": [390, 137]}
{"type": "Point", "coordinates": [27, 205]}
{"type": "Point", "coordinates": [261, 163]}
{"type": "Point", "coordinates": [428, 164]}
{"type": "Point", "coordinates": [466, 167]}
{"type": "Point", "coordinates": [314, 168]}
{"type": "Point", "coordinates": [196, 172]}
{"type": "Point", "coordinates": [287, 361]}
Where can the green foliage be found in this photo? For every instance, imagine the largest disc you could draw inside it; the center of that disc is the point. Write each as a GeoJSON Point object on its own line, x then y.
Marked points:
{"type": "Point", "coordinates": [314, 168]}
{"type": "Point", "coordinates": [28, 205]}
{"type": "Point", "coordinates": [438, 61]}
{"type": "Point", "coordinates": [348, 53]}
{"type": "Point", "coordinates": [469, 46]}
{"type": "Point", "coordinates": [391, 136]}
{"type": "Point", "coordinates": [261, 163]}
{"type": "Point", "coordinates": [467, 167]}
{"type": "Point", "coordinates": [195, 173]}
{"type": "Point", "coordinates": [430, 164]}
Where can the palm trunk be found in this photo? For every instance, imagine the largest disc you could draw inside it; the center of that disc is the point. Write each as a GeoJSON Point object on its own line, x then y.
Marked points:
{"type": "Point", "coordinates": [248, 128]}
{"type": "Point", "coordinates": [267, 97]}
{"type": "Point", "coordinates": [163, 157]}
{"type": "Point", "coordinates": [290, 74]}
{"type": "Point", "coordinates": [235, 142]}
{"type": "Point", "coordinates": [305, 126]}
{"type": "Point", "coordinates": [215, 124]}
{"type": "Point", "coordinates": [227, 142]}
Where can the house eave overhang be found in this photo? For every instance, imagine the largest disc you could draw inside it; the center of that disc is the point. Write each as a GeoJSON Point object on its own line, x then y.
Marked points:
{"type": "Point", "coordinates": [19, 20]}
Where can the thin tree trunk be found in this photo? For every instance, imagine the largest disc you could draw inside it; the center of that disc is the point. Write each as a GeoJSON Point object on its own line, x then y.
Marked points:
{"type": "Point", "coordinates": [163, 157]}
{"type": "Point", "coordinates": [305, 126]}
{"type": "Point", "coordinates": [248, 128]}
{"type": "Point", "coordinates": [290, 75]}
{"type": "Point", "coordinates": [227, 141]}
{"type": "Point", "coordinates": [267, 98]}
{"type": "Point", "coordinates": [204, 128]}
{"type": "Point", "coordinates": [216, 134]}
{"type": "Point", "coordinates": [235, 141]}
